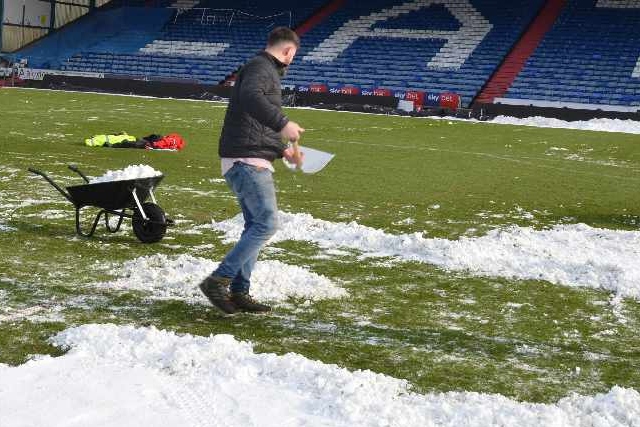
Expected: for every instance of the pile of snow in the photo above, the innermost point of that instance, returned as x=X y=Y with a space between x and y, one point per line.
x=178 y=278
x=125 y=376
x=130 y=172
x=602 y=125
x=573 y=255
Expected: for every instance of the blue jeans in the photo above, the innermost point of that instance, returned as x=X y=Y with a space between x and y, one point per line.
x=257 y=198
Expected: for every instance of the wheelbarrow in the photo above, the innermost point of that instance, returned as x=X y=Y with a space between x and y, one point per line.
x=116 y=198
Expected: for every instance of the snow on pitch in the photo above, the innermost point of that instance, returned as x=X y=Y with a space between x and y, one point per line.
x=601 y=125
x=125 y=376
x=130 y=172
x=5 y=228
x=178 y=278
x=573 y=255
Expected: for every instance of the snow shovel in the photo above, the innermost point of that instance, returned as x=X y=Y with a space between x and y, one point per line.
x=314 y=160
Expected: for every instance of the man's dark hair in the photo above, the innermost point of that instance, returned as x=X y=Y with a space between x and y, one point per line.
x=283 y=34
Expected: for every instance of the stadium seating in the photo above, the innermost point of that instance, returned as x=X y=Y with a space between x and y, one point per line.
x=111 y=30
x=591 y=56
x=196 y=43
x=433 y=46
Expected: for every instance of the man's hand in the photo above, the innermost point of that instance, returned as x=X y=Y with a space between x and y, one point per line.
x=293 y=156
x=291 y=131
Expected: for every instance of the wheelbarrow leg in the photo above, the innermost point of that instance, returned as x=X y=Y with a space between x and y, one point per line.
x=106 y=221
x=139 y=205
x=93 y=227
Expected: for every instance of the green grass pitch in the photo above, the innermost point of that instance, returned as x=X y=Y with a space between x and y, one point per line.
x=450 y=178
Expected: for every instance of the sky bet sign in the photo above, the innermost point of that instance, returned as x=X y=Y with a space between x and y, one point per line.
x=458 y=47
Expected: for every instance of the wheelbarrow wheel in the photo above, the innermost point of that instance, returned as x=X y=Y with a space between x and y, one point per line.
x=152 y=230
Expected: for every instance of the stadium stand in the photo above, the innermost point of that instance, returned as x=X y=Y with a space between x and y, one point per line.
x=193 y=43
x=591 y=56
x=514 y=62
x=432 y=46
x=581 y=52
x=118 y=30
x=436 y=46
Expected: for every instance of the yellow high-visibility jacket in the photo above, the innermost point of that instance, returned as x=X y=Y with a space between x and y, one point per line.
x=101 y=140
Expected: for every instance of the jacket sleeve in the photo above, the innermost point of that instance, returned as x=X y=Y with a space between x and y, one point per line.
x=253 y=98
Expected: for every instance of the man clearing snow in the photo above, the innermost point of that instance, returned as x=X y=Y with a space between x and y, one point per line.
x=252 y=134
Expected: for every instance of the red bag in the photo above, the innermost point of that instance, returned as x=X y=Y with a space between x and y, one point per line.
x=173 y=141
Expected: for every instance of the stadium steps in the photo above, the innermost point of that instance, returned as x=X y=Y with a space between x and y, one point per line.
x=515 y=61
x=323 y=13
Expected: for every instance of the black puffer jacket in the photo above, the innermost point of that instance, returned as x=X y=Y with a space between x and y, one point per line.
x=254 y=117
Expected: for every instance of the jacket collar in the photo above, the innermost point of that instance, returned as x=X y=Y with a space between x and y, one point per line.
x=281 y=66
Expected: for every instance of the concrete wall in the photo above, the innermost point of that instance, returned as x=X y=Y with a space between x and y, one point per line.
x=24 y=21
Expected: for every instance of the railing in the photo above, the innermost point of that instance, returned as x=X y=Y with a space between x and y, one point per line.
x=228 y=17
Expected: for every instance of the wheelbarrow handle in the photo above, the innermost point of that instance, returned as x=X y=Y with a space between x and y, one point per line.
x=76 y=170
x=50 y=181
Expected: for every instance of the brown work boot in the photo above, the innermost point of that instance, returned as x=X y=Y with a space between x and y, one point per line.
x=216 y=288
x=245 y=302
